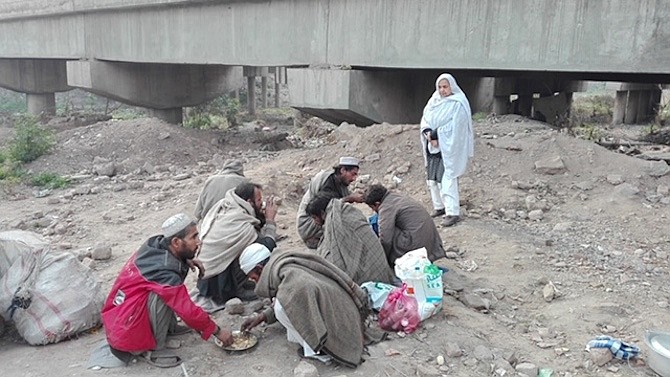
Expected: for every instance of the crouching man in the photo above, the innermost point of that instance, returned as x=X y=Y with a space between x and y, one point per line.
x=139 y=312
x=322 y=309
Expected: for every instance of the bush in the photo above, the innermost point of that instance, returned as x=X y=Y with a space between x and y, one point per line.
x=31 y=140
x=12 y=102
x=593 y=109
x=50 y=180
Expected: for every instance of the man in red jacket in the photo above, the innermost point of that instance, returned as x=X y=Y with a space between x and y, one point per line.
x=139 y=312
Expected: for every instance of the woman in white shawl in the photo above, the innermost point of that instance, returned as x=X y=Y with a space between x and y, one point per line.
x=448 y=117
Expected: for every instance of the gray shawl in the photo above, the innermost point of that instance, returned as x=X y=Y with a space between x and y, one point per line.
x=350 y=244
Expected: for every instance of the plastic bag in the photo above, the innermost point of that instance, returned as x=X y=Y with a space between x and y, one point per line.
x=423 y=279
x=50 y=296
x=377 y=293
x=399 y=312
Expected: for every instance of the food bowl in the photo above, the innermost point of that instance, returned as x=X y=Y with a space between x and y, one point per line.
x=659 y=352
x=242 y=341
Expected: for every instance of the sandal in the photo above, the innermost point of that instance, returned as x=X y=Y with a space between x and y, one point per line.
x=162 y=359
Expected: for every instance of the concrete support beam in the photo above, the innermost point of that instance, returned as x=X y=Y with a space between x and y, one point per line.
x=34 y=75
x=524 y=105
x=264 y=91
x=41 y=104
x=643 y=107
x=155 y=86
x=174 y=115
x=631 y=107
x=619 y=106
x=251 y=95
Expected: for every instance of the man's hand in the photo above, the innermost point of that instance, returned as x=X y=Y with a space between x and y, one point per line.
x=270 y=209
x=196 y=263
x=225 y=336
x=252 y=322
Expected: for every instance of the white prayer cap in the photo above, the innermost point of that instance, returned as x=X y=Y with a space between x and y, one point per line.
x=349 y=161
x=253 y=255
x=176 y=224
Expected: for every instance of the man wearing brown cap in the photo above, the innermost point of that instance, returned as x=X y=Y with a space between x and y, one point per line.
x=333 y=183
x=139 y=312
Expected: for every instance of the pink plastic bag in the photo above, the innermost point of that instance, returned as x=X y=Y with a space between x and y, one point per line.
x=399 y=312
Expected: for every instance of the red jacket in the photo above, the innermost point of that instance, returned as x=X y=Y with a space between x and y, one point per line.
x=125 y=314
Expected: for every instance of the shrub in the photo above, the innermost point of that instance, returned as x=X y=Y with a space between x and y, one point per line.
x=50 y=180
x=31 y=140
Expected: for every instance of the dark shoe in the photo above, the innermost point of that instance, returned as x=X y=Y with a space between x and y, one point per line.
x=437 y=213
x=247 y=295
x=450 y=221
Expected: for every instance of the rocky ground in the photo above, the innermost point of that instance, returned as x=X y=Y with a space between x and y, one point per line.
x=562 y=240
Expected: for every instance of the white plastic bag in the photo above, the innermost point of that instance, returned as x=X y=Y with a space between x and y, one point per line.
x=423 y=279
x=49 y=296
x=13 y=243
x=377 y=293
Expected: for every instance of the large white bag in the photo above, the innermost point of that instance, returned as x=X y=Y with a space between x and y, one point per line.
x=49 y=296
x=423 y=279
x=13 y=243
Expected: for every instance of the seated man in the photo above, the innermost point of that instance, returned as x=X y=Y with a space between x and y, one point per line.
x=216 y=186
x=321 y=308
x=348 y=241
x=139 y=312
x=403 y=224
x=334 y=183
x=233 y=224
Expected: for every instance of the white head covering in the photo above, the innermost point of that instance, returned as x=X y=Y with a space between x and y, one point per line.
x=349 y=161
x=253 y=255
x=176 y=224
x=457 y=93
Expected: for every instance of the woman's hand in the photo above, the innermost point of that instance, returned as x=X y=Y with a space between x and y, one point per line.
x=434 y=143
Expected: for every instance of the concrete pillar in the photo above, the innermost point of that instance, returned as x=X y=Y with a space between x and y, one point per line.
x=264 y=91
x=643 y=106
x=525 y=104
x=251 y=95
x=619 y=106
x=173 y=115
x=631 y=107
x=41 y=104
x=501 y=105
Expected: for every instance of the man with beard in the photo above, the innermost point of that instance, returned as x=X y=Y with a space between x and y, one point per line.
x=232 y=225
x=139 y=313
x=333 y=183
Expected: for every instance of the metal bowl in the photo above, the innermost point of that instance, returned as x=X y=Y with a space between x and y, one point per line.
x=659 y=355
x=242 y=341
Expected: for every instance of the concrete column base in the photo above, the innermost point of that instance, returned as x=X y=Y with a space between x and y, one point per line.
x=41 y=104
x=552 y=109
x=251 y=95
x=264 y=91
x=174 y=115
x=524 y=105
x=619 y=106
x=631 y=107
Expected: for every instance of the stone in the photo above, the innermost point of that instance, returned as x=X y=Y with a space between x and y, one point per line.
x=562 y=227
x=148 y=168
x=662 y=190
x=473 y=301
x=627 y=190
x=451 y=255
x=163 y=135
x=254 y=306
x=527 y=369
x=88 y=262
x=550 y=166
x=234 y=306
x=107 y=169
x=52 y=200
x=482 y=353
x=600 y=356
x=657 y=168
x=584 y=185
x=615 y=179
x=511 y=357
x=452 y=349
x=181 y=177
x=439 y=360
x=427 y=370
x=373 y=157
x=305 y=369
x=548 y=293
x=82 y=190
x=101 y=252
x=536 y=215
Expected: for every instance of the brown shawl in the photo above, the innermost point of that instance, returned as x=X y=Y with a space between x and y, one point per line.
x=350 y=244
x=324 y=305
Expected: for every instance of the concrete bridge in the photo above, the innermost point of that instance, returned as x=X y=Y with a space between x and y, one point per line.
x=361 y=61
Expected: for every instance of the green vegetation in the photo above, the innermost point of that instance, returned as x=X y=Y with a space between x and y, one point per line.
x=592 y=109
x=220 y=113
x=12 y=102
x=31 y=139
x=50 y=180
x=479 y=116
